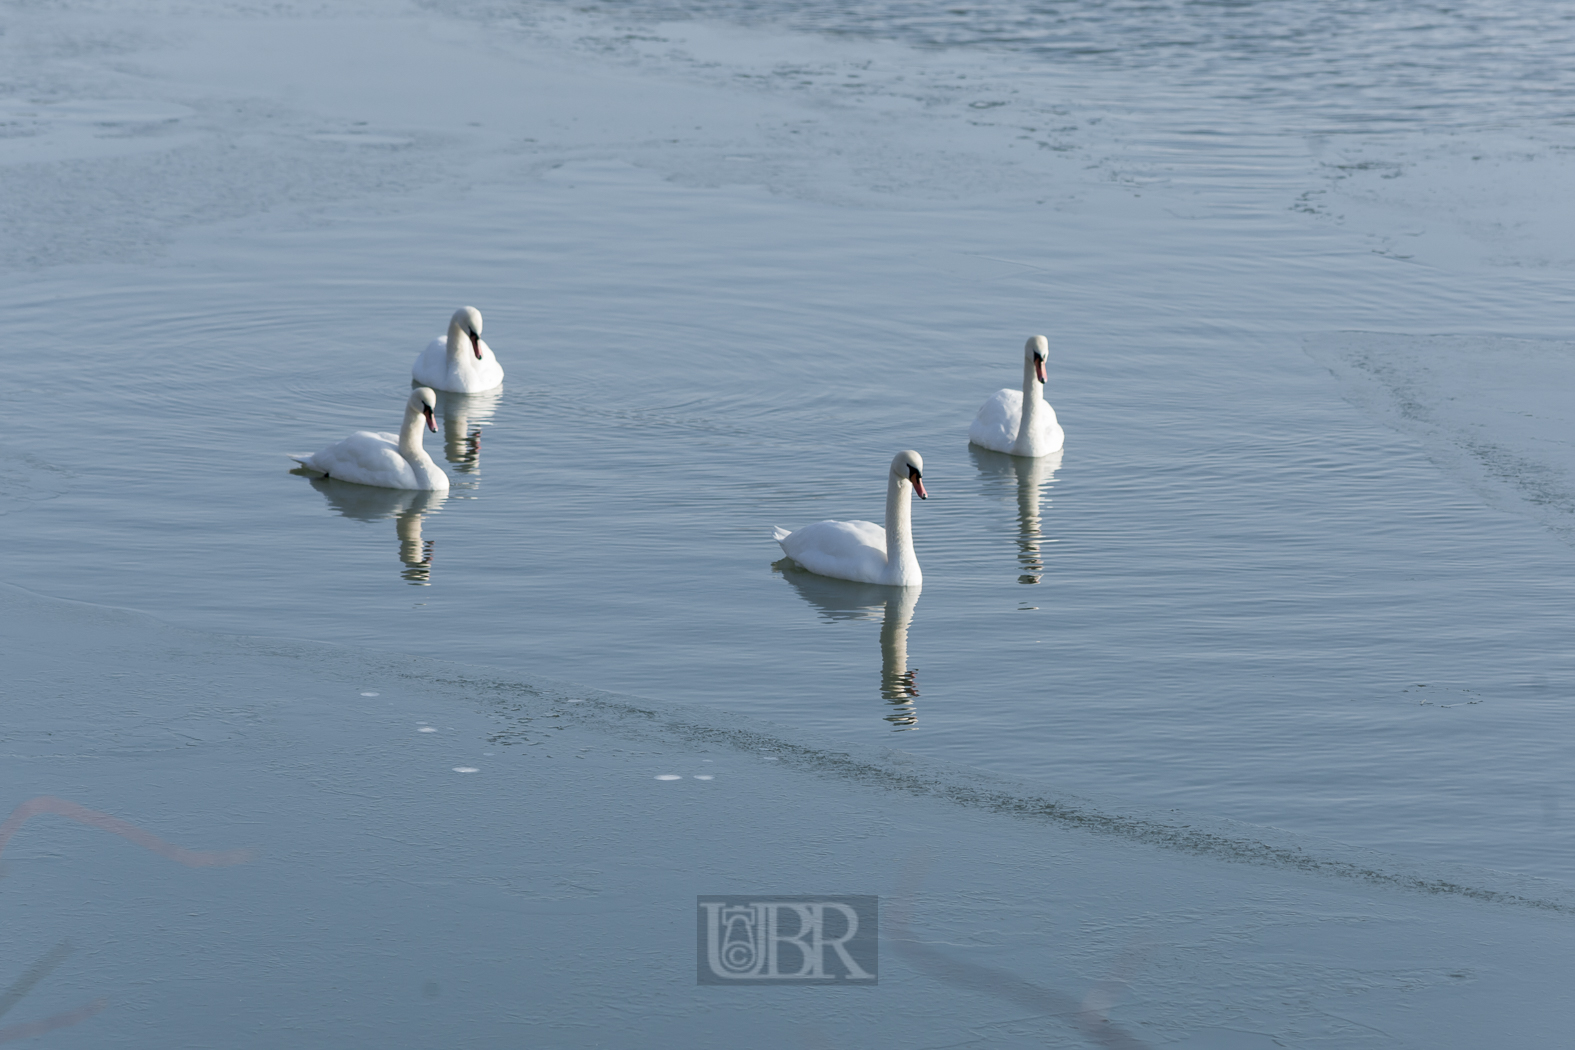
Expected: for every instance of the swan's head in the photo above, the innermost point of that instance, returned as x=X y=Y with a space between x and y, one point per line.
x=467 y=322
x=909 y=466
x=1034 y=352
x=424 y=401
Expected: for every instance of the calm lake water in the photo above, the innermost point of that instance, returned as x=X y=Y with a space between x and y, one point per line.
x=1234 y=594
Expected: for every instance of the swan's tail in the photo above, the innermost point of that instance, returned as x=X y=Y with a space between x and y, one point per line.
x=779 y=534
x=305 y=461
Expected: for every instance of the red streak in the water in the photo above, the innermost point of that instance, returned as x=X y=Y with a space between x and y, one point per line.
x=49 y=1024
x=93 y=818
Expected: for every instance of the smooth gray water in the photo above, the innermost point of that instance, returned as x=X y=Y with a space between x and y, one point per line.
x=318 y=868
x=727 y=285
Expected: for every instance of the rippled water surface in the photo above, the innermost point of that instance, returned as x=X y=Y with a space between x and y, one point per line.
x=1234 y=592
x=1333 y=64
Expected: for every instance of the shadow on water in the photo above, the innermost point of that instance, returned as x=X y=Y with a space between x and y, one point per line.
x=1031 y=475
x=406 y=506
x=846 y=600
x=1088 y=1015
x=463 y=417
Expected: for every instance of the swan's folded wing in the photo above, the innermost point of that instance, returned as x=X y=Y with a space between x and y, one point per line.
x=848 y=550
x=995 y=427
x=475 y=376
x=367 y=459
x=432 y=363
x=465 y=376
x=1046 y=422
x=1047 y=436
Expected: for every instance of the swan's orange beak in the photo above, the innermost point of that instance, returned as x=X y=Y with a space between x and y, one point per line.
x=1039 y=367
x=431 y=423
x=918 y=483
x=475 y=344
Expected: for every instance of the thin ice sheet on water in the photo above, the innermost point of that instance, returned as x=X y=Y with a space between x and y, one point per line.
x=545 y=896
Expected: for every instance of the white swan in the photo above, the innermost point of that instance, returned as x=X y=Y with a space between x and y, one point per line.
x=462 y=362
x=1002 y=425
x=383 y=460
x=862 y=550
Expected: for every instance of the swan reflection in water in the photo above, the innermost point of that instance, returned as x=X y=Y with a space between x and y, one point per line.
x=463 y=417
x=406 y=506
x=1031 y=475
x=846 y=600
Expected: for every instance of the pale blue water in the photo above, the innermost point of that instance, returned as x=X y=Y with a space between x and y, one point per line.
x=1254 y=601
x=1349 y=65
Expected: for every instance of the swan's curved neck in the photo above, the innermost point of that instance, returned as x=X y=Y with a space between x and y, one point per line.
x=410 y=432
x=902 y=565
x=1033 y=401
x=458 y=343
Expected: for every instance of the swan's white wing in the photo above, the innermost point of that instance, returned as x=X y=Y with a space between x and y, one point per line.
x=995 y=427
x=366 y=459
x=432 y=366
x=466 y=376
x=848 y=550
x=1047 y=437
x=486 y=373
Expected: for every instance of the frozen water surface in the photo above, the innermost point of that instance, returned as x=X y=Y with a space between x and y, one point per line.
x=231 y=847
x=1305 y=564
